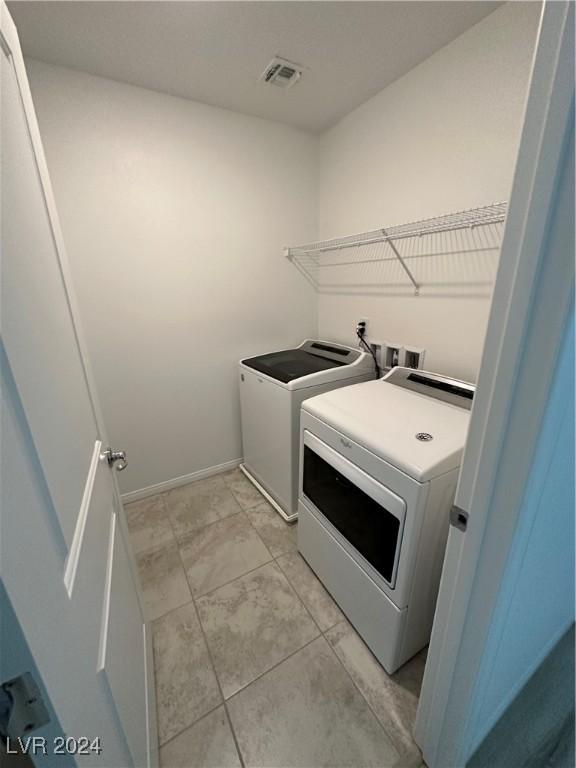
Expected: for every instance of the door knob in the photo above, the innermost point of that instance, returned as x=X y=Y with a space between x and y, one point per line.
x=115 y=459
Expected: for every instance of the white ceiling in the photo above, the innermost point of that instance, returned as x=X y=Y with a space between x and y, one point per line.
x=215 y=52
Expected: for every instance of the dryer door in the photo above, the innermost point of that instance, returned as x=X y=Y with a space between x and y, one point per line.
x=366 y=515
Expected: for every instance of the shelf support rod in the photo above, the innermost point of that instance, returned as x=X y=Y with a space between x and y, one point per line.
x=402 y=263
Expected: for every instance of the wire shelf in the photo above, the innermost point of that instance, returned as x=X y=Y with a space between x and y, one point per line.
x=454 y=251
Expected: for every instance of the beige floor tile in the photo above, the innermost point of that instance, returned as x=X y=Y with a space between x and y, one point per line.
x=245 y=492
x=186 y=687
x=251 y=624
x=291 y=701
x=207 y=744
x=149 y=524
x=163 y=580
x=393 y=698
x=278 y=535
x=221 y=552
x=193 y=506
x=306 y=712
x=324 y=610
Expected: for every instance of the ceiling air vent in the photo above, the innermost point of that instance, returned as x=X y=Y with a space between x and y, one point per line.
x=282 y=73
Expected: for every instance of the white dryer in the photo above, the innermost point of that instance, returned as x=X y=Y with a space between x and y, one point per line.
x=272 y=389
x=378 y=473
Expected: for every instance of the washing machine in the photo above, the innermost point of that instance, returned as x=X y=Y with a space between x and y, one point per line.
x=272 y=389
x=378 y=472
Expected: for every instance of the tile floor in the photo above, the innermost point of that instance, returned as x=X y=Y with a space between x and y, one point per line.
x=255 y=664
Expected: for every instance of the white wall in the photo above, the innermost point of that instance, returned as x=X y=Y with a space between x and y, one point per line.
x=174 y=216
x=442 y=138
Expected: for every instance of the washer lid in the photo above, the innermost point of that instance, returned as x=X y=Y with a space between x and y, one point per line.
x=290 y=364
x=309 y=358
x=421 y=435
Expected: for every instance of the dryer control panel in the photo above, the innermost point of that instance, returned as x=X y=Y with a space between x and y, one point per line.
x=453 y=391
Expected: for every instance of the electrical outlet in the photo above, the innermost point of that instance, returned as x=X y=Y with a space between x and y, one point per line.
x=362 y=323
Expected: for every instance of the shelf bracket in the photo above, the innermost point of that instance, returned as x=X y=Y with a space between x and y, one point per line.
x=402 y=263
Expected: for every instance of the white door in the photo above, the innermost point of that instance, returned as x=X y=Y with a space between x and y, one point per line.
x=66 y=568
x=532 y=300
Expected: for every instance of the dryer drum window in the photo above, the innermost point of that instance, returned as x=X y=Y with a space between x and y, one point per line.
x=371 y=529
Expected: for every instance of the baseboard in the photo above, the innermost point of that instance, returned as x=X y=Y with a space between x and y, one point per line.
x=152 y=490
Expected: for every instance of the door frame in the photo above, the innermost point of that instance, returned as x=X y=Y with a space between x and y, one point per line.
x=10 y=43
x=532 y=298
